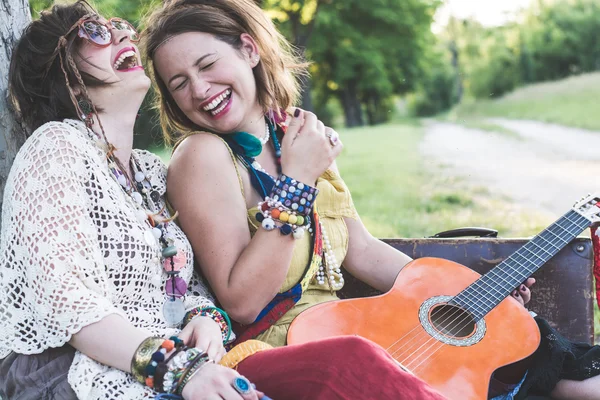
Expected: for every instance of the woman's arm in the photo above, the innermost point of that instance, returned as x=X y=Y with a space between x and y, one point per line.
x=371 y=260
x=111 y=341
x=245 y=272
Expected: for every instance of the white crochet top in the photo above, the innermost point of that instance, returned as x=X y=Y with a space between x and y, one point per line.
x=72 y=252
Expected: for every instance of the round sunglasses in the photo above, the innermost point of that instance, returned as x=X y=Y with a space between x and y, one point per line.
x=100 y=33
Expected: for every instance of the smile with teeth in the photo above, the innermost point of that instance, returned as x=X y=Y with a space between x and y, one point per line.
x=218 y=104
x=126 y=60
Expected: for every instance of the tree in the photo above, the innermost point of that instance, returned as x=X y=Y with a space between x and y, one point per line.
x=14 y=16
x=296 y=18
x=365 y=52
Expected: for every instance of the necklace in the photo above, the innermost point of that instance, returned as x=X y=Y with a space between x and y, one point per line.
x=143 y=198
x=329 y=273
x=265 y=138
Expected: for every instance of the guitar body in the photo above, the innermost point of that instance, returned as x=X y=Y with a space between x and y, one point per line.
x=406 y=322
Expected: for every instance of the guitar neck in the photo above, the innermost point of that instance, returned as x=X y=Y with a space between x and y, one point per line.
x=493 y=287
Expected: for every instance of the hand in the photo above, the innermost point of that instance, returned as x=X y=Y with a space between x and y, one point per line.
x=306 y=150
x=205 y=334
x=522 y=294
x=214 y=381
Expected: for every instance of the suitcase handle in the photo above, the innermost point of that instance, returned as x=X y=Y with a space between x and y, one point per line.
x=467 y=231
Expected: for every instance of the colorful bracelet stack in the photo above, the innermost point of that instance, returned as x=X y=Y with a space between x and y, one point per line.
x=218 y=315
x=168 y=375
x=179 y=367
x=291 y=204
x=143 y=357
x=159 y=356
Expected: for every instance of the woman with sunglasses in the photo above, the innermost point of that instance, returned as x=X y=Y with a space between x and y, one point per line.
x=98 y=297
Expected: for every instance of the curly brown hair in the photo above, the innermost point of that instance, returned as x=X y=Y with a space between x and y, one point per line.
x=276 y=74
x=39 y=86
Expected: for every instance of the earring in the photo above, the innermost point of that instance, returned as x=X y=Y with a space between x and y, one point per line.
x=256 y=58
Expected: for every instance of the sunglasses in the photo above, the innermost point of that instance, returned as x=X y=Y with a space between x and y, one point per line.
x=100 y=33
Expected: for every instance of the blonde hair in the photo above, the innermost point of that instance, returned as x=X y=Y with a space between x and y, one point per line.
x=276 y=74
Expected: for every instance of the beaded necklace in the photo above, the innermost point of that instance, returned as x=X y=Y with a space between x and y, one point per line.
x=143 y=198
x=329 y=273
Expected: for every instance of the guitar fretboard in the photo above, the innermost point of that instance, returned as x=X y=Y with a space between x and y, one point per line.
x=490 y=289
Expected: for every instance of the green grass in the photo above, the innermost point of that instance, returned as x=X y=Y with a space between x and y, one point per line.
x=571 y=102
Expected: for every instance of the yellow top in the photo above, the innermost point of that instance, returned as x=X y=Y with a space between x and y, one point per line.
x=333 y=203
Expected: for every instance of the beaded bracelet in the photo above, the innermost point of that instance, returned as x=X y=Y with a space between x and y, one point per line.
x=294 y=195
x=218 y=315
x=194 y=366
x=143 y=356
x=177 y=368
x=159 y=356
x=290 y=221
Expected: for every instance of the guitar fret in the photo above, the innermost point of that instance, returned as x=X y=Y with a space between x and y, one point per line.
x=541 y=248
x=490 y=289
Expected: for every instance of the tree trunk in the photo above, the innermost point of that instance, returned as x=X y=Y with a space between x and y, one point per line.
x=456 y=66
x=373 y=109
x=351 y=105
x=14 y=16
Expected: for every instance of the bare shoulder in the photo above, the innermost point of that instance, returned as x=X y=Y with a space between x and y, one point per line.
x=202 y=165
x=201 y=150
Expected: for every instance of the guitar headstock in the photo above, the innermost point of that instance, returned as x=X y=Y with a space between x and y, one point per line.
x=589 y=207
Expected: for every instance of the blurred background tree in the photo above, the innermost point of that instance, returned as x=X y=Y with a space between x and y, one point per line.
x=367 y=58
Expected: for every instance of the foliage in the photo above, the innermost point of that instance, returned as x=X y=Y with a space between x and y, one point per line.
x=437 y=85
x=365 y=52
x=570 y=102
x=551 y=40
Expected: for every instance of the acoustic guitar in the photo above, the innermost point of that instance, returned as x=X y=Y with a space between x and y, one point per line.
x=445 y=323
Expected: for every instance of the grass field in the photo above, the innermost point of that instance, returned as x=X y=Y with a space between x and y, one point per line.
x=571 y=102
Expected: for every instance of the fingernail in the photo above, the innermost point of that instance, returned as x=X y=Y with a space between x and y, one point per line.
x=523 y=288
x=296 y=114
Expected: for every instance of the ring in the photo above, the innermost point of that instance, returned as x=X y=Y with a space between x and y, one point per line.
x=242 y=385
x=333 y=136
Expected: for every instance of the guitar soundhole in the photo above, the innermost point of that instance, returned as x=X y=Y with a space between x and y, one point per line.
x=452 y=321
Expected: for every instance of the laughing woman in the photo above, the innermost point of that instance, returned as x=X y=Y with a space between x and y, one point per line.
x=98 y=296
x=267 y=213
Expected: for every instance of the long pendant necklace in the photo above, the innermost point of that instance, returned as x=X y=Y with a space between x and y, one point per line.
x=172 y=259
x=143 y=198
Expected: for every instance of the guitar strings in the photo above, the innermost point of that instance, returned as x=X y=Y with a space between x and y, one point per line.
x=587 y=223
x=466 y=318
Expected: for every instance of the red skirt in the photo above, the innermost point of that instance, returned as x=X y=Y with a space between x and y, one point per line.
x=343 y=368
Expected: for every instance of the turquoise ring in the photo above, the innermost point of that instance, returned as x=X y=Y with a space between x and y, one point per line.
x=242 y=385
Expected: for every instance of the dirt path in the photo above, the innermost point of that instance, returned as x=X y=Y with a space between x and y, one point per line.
x=544 y=166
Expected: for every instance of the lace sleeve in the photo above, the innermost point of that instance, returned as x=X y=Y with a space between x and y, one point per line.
x=52 y=276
